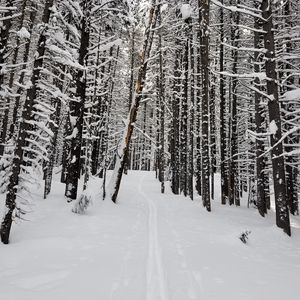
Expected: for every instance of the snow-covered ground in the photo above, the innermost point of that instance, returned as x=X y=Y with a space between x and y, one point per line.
x=148 y=247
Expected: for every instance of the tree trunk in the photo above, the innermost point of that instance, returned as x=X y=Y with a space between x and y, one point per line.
x=21 y=79
x=259 y=122
x=124 y=147
x=24 y=127
x=204 y=52
x=161 y=107
x=279 y=180
x=233 y=191
x=4 y=35
x=77 y=109
x=174 y=145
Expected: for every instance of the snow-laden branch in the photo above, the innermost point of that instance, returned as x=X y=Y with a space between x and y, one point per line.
x=245 y=48
x=260 y=75
x=284 y=136
x=244 y=10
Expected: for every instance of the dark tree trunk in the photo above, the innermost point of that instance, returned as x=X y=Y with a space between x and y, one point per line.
x=184 y=124
x=292 y=171
x=279 y=180
x=175 y=127
x=223 y=135
x=204 y=53
x=21 y=79
x=192 y=115
x=198 y=123
x=24 y=127
x=161 y=108
x=4 y=35
x=48 y=172
x=233 y=191
x=77 y=110
x=259 y=122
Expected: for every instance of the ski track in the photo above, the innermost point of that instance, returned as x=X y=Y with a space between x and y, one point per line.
x=193 y=278
x=152 y=246
x=123 y=280
x=155 y=275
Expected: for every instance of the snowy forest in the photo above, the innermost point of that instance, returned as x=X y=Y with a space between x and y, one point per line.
x=185 y=89
x=202 y=95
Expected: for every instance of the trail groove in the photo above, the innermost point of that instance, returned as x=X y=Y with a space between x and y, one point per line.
x=155 y=276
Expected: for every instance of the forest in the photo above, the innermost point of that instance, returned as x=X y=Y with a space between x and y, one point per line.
x=205 y=93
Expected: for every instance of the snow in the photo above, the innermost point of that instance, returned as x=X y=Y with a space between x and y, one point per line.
x=186 y=11
x=292 y=95
x=164 y=7
x=150 y=246
x=23 y=33
x=273 y=127
x=73 y=135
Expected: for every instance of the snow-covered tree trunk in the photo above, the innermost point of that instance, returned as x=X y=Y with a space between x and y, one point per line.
x=25 y=126
x=259 y=123
x=292 y=172
x=77 y=108
x=223 y=134
x=22 y=77
x=174 y=143
x=122 y=152
x=6 y=17
x=161 y=95
x=279 y=180
x=233 y=192
x=204 y=6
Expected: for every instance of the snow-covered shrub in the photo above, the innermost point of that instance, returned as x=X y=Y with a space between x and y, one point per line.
x=82 y=203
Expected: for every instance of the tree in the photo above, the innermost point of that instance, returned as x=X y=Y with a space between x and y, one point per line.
x=12 y=210
x=77 y=106
x=278 y=165
x=204 y=6
x=124 y=147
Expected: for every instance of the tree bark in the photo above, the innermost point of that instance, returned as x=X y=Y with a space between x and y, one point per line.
x=4 y=35
x=233 y=191
x=204 y=6
x=77 y=109
x=223 y=135
x=259 y=122
x=278 y=165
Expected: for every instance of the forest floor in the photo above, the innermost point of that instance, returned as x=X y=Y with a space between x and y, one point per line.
x=147 y=247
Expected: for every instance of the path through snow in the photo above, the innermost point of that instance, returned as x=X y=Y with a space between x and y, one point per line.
x=148 y=247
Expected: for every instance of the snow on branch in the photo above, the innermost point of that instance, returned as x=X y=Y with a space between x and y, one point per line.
x=245 y=48
x=244 y=10
x=284 y=136
x=292 y=95
x=260 y=75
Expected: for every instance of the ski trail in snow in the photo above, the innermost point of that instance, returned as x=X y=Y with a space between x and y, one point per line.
x=122 y=280
x=194 y=278
x=155 y=277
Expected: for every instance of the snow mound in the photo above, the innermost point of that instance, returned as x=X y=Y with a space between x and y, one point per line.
x=82 y=203
x=292 y=95
x=186 y=11
x=23 y=33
